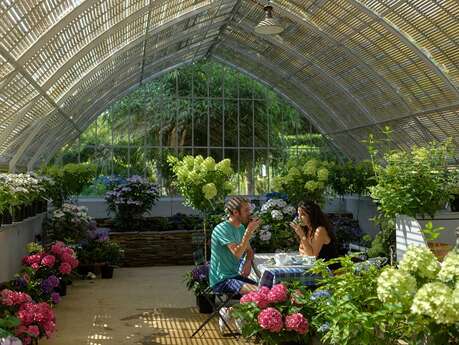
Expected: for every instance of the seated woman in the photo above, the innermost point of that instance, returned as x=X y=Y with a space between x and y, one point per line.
x=314 y=231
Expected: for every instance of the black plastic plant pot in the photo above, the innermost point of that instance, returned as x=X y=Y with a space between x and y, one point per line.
x=204 y=306
x=106 y=271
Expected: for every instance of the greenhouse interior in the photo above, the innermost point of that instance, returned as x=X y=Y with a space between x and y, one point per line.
x=229 y=172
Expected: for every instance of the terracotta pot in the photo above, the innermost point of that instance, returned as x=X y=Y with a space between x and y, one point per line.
x=439 y=249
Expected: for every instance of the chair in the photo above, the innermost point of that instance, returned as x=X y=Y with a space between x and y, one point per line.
x=219 y=300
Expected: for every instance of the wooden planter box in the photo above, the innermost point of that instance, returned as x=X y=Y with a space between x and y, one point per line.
x=165 y=248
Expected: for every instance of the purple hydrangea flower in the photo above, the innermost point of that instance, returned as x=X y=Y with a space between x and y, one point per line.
x=46 y=286
x=200 y=273
x=55 y=297
x=53 y=281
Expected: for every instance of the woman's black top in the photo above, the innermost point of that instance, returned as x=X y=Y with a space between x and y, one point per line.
x=328 y=251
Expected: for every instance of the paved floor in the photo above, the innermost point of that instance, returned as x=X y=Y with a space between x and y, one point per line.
x=139 y=306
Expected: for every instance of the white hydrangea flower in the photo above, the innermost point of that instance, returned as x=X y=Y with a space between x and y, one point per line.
x=265 y=235
x=449 y=271
x=420 y=261
x=265 y=208
x=436 y=301
x=290 y=210
x=396 y=286
x=266 y=227
x=280 y=203
x=277 y=215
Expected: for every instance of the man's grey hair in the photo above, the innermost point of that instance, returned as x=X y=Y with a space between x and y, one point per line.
x=235 y=203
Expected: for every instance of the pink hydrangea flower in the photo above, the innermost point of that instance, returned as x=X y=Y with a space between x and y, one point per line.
x=270 y=319
x=249 y=297
x=65 y=268
x=68 y=251
x=49 y=261
x=56 y=248
x=296 y=322
x=34 y=330
x=32 y=259
x=278 y=294
x=10 y=298
x=35 y=266
x=261 y=299
x=264 y=290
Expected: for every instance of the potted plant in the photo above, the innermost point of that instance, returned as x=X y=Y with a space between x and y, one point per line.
x=203 y=184
x=70 y=223
x=412 y=184
x=198 y=281
x=110 y=255
x=131 y=200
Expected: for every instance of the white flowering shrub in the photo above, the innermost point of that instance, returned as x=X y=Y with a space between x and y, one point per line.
x=435 y=300
x=275 y=232
x=70 y=223
x=307 y=182
x=202 y=182
x=425 y=294
x=421 y=262
x=396 y=286
x=449 y=272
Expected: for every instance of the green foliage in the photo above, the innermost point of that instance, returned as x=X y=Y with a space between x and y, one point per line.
x=100 y=251
x=7 y=325
x=69 y=180
x=384 y=242
x=110 y=253
x=431 y=233
x=415 y=182
x=353 y=314
x=351 y=177
x=308 y=182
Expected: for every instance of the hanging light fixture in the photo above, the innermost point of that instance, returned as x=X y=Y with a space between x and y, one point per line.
x=269 y=25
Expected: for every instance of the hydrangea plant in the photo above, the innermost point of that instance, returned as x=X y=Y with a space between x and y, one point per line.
x=131 y=199
x=202 y=182
x=274 y=316
x=275 y=232
x=306 y=182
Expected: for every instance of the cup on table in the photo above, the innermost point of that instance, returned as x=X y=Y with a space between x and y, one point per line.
x=281 y=259
x=309 y=260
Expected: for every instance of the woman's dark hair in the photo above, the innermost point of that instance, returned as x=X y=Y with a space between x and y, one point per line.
x=317 y=218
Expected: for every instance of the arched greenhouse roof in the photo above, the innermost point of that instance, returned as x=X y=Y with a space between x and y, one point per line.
x=350 y=66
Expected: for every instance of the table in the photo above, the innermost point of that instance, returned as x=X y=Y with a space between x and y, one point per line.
x=269 y=275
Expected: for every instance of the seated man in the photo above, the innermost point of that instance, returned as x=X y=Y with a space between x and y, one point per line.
x=230 y=241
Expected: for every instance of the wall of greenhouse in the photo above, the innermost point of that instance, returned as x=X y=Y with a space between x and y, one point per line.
x=203 y=109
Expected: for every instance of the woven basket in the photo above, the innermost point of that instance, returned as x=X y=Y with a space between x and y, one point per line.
x=439 y=249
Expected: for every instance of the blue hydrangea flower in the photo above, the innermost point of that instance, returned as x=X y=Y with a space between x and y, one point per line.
x=320 y=294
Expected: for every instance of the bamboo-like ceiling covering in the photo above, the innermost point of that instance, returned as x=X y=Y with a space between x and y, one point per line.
x=351 y=66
